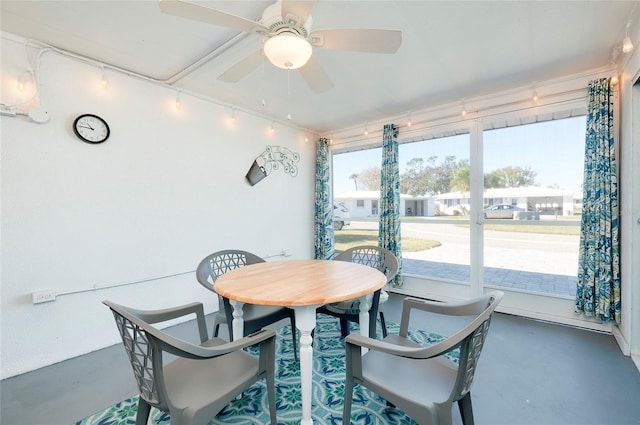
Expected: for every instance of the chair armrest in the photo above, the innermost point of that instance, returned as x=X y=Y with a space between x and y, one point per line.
x=488 y=303
x=185 y=349
x=462 y=308
x=443 y=347
x=162 y=315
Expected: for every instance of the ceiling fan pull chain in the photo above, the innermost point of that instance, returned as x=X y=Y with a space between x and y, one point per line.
x=262 y=80
x=289 y=93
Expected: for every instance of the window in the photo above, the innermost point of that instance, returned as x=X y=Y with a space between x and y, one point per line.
x=531 y=203
x=434 y=183
x=534 y=174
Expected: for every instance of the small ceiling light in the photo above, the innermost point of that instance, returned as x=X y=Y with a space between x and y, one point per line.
x=272 y=129
x=287 y=51
x=463 y=111
x=23 y=81
x=178 y=101
x=627 y=45
x=535 y=95
x=366 y=130
x=306 y=139
x=233 y=115
x=104 y=81
x=409 y=123
x=614 y=79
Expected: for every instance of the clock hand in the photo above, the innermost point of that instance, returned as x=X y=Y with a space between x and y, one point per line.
x=86 y=126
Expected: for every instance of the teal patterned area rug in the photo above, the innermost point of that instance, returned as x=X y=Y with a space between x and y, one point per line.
x=328 y=388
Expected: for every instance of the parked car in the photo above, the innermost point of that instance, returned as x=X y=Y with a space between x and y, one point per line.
x=341 y=216
x=501 y=211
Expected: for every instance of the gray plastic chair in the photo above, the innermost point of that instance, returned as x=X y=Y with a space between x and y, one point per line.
x=203 y=378
x=416 y=379
x=372 y=256
x=255 y=316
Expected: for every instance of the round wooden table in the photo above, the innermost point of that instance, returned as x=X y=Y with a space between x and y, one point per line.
x=303 y=285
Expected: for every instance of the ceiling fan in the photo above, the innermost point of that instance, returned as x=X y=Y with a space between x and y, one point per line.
x=286 y=26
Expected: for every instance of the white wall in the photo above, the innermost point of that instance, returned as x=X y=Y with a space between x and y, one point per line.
x=165 y=190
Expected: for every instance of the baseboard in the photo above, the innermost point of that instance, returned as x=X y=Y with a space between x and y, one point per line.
x=636 y=360
x=624 y=345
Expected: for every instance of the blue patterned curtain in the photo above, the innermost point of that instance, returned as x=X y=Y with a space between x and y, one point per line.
x=598 y=291
x=323 y=226
x=389 y=227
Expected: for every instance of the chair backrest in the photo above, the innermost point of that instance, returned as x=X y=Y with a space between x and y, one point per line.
x=215 y=265
x=373 y=256
x=471 y=345
x=144 y=355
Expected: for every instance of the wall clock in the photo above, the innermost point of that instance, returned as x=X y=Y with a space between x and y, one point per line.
x=91 y=128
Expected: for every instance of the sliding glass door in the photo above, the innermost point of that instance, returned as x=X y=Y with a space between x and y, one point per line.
x=532 y=201
x=532 y=198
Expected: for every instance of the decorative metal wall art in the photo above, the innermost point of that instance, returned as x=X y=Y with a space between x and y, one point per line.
x=271 y=159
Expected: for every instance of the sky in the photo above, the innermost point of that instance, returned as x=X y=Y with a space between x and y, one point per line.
x=553 y=149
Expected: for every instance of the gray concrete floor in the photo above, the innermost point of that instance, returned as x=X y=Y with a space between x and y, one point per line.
x=530 y=372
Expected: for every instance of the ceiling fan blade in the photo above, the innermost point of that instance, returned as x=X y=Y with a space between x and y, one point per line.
x=358 y=40
x=243 y=68
x=210 y=16
x=297 y=8
x=314 y=75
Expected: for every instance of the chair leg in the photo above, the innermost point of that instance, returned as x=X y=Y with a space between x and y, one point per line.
x=373 y=327
x=143 y=412
x=230 y=327
x=466 y=411
x=270 y=380
x=348 y=396
x=383 y=324
x=216 y=329
x=294 y=336
x=344 y=327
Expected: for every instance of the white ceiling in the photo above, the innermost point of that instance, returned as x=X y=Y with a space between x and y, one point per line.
x=451 y=50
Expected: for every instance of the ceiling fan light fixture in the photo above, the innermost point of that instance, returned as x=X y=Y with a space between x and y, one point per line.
x=287 y=51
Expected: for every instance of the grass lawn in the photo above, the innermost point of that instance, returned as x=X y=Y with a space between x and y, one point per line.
x=349 y=238
x=571 y=225
x=549 y=230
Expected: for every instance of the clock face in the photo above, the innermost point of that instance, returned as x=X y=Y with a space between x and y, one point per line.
x=91 y=128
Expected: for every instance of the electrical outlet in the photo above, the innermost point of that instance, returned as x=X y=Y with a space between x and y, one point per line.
x=43 y=296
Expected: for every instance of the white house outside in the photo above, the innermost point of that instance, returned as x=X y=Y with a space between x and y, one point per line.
x=543 y=200
x=366 y=203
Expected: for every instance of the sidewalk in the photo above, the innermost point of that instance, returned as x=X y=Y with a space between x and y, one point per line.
x=507 y=278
